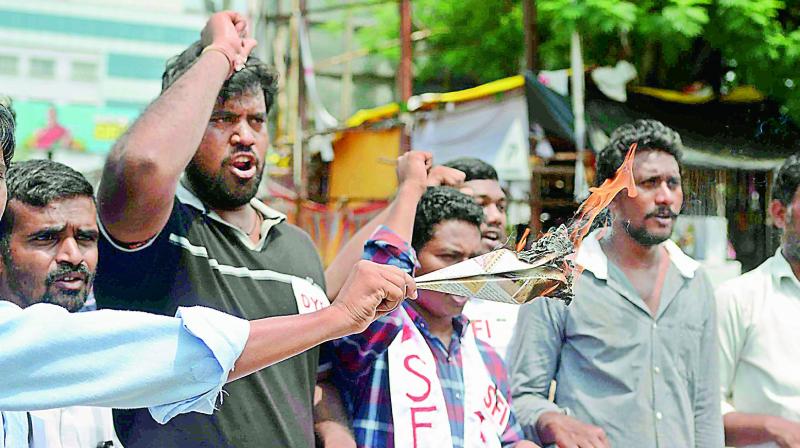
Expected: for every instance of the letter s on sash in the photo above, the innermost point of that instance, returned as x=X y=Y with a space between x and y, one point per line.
x=491 y=394
x=407 y=365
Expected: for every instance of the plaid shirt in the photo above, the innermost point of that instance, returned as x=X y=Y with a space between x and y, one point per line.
x=361 y=370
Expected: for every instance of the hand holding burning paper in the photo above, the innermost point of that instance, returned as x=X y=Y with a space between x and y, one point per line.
x=545 y=270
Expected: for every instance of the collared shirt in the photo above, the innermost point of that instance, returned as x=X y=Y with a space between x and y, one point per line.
x=198 y=258
x=758 y=330
x=646 y=381
x=361 y=371
x=73 y=426
x=51 y=358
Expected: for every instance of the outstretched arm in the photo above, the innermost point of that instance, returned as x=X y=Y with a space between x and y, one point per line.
x=140 y=177
x=372 y=290
x=128 y=359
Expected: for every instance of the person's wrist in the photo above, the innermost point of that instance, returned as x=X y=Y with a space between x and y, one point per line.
x=772 y=425
x=335 y=434
x=545 y=424
x=229 y=55
x=412 y=188
x=338 y=321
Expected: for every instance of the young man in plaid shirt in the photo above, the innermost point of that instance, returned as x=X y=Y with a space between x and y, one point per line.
x=418 y=376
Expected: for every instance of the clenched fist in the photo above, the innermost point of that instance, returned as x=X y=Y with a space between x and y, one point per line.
x=228 y=32
x=370 y=291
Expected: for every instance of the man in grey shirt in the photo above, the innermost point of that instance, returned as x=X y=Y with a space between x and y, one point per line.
x=635 y=355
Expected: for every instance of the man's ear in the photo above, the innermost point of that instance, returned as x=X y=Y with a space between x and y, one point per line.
x=613 y=206
x=779 y=213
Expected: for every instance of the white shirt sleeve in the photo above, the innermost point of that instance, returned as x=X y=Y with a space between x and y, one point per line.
x=51 y=358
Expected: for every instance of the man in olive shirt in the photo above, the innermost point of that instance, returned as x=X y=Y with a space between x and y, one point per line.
x=180 y=221
x=634 y=356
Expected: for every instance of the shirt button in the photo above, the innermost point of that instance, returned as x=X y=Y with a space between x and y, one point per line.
x=655 y=325
x=658 y=416
x=657 y=369
x=458 y=395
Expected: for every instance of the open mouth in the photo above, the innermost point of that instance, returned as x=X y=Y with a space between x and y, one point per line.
x=243 y=165
x=492 y=235
x=664 y=218
x=72 y=280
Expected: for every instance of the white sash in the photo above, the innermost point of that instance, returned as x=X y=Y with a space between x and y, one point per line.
x=418 y=407
x=309 y=296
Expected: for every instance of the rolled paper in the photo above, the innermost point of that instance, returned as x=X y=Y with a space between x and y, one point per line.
x=508 y=276
x=514 y=287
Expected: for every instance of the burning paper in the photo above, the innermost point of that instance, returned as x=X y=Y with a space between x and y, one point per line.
x=507 y=276
x=546 y=269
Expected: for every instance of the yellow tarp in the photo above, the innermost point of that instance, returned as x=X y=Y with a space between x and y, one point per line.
x=483 y=90
x=377 y=113
x=364 y=164
x=740 y=94
x=674 y=96
x=743 y=94
x=428 y=99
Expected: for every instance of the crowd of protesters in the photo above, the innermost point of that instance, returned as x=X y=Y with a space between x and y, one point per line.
x=201 y=286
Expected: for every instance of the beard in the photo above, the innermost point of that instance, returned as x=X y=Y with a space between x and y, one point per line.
x=790 y=244
x=71 y=300
x=214 y=190
x=644 y=237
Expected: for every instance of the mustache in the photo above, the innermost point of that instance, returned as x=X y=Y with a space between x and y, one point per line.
x=64 y=269
x=662 y=211
x=241 y=148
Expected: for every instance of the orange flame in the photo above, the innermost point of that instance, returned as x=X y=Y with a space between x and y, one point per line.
x=523 y=240
x=601 y=196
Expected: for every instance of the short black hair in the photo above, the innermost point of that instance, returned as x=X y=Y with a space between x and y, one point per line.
x=787 y=180
x=38 y=183
x=255 y=74
x=647 y=134
x=440 y=204
x=7 y=126
x=475 y=169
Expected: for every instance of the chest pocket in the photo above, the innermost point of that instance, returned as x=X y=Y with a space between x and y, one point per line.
x=681 y=341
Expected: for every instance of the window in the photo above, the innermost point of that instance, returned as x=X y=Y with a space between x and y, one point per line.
x=43 y=68
x=84 y=71
x=9 y=65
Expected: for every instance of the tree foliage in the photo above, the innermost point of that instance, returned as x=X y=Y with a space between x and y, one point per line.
x=673 y=43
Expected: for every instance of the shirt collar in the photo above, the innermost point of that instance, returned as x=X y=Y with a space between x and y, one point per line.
x=781 y=267
x=591 y=257
x=271 y=216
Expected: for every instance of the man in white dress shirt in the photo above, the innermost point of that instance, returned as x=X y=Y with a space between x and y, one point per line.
x=758 y=316
x=48 y=254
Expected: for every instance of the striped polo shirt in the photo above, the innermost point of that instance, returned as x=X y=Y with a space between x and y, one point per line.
x=199 y=259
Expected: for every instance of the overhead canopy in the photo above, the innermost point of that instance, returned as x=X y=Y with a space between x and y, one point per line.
x=715 y=134
x=546 y=107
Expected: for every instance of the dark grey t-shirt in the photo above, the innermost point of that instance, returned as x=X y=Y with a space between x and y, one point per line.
x=198 y=259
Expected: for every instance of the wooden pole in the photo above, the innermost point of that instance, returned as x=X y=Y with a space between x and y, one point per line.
x=531 y=36
x=531 y=62
x=346 y=101
x=404 y=75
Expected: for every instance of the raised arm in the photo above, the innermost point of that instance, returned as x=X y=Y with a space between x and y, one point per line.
x=140 y=177
x=413 y=177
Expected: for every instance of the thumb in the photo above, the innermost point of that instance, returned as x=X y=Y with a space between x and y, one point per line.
x=248 y=45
